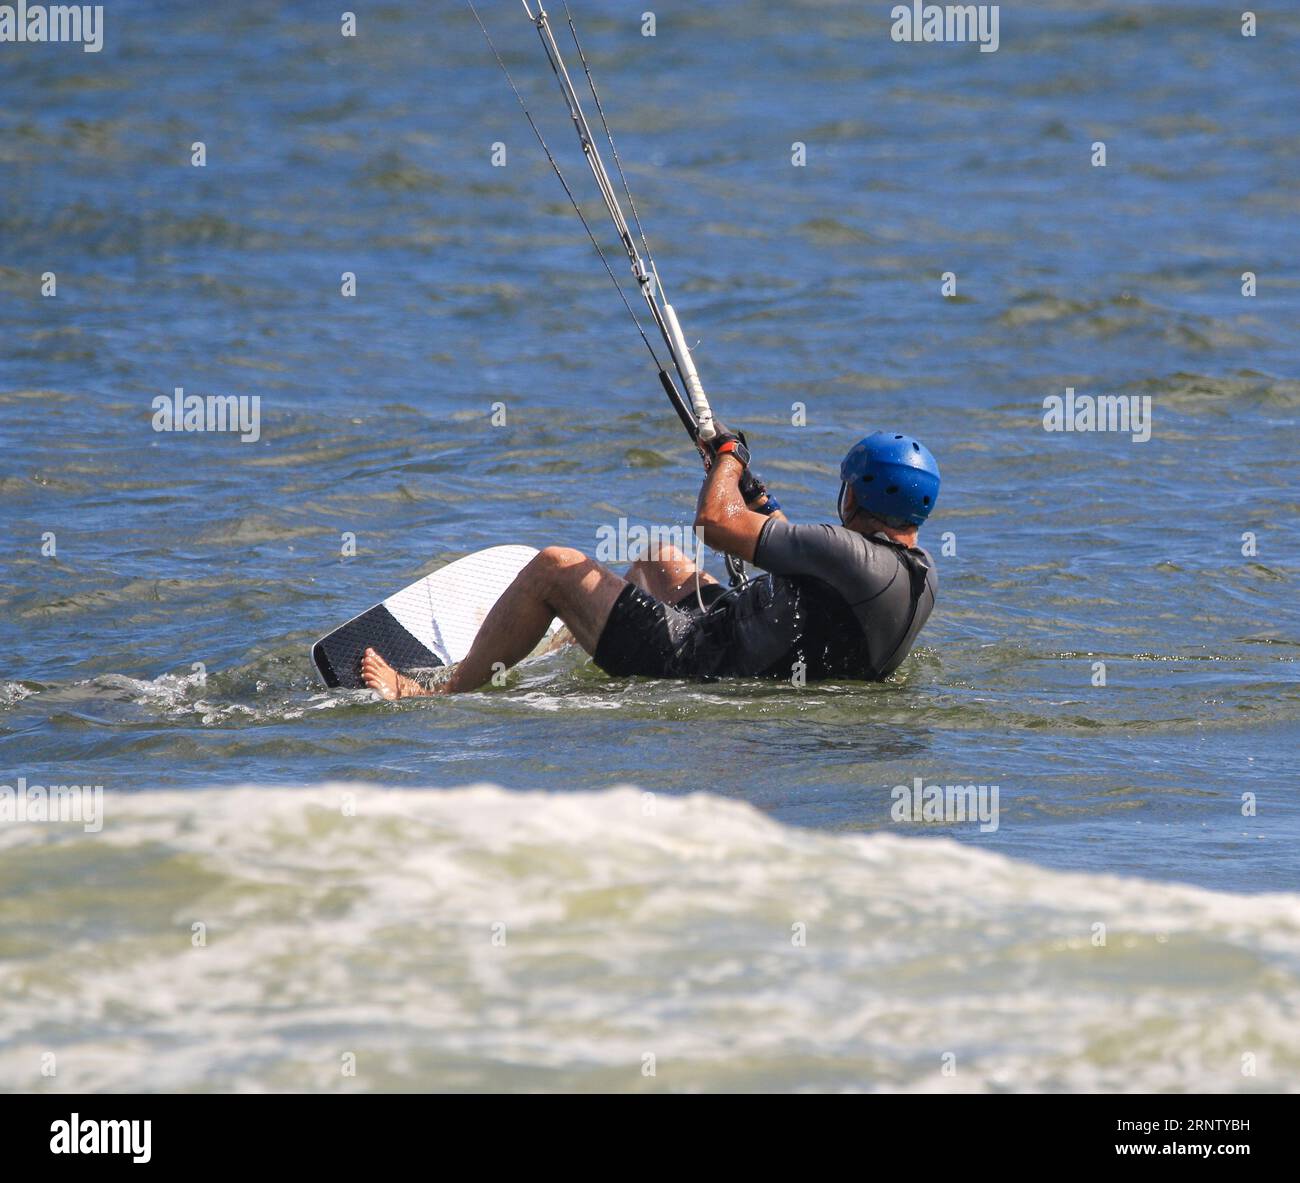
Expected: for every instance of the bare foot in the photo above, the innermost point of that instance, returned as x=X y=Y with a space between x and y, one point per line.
x=386 y=681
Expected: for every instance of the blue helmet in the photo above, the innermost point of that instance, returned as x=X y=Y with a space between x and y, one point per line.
x=893 y=477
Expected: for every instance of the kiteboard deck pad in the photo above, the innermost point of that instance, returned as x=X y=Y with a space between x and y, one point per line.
x=431 y=623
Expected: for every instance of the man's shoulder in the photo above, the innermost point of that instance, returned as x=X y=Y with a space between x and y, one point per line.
x=858 y=565
x=885 y=558
x=884 y=542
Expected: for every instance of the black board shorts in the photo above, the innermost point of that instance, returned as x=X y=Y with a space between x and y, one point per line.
x=646 y=637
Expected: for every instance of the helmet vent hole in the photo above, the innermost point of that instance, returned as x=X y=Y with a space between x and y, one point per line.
x=891 y=490
x=898 y=437
x=915 y=446
x=869 y=478
x=925 y=501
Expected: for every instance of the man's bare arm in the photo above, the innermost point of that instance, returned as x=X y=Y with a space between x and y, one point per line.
x=725 y=521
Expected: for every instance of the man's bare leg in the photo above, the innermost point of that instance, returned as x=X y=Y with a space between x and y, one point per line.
x=557 y=582
x=668 y=577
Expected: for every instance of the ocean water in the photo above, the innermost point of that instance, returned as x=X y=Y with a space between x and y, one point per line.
x=162 y=650
x=358 y=939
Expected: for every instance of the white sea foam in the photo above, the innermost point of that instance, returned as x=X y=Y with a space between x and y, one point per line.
x=633 y=927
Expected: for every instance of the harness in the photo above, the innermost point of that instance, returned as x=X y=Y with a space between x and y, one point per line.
x=918 y=571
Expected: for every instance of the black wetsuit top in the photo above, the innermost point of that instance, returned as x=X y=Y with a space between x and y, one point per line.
x=834 y=603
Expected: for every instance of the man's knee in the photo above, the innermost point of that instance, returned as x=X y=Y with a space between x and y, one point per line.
x=560 y=556
x=665 y=554
x=555 y=562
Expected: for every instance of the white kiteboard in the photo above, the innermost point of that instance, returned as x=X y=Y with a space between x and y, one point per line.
x=432 y=623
